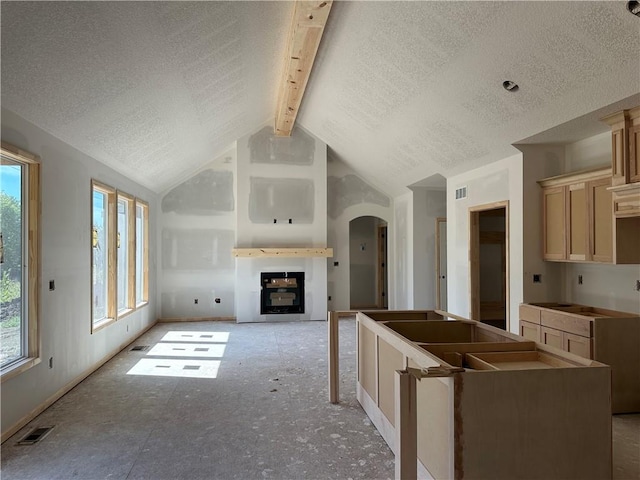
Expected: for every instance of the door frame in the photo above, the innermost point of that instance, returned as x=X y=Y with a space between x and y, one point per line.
x=474 y=258
x=440 y=221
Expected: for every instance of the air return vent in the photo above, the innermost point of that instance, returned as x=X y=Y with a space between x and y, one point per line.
x=140 y=348
x=461 y=193
x=35 y=435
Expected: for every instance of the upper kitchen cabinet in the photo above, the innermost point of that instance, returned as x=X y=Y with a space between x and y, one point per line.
x=625 y=146
x=578 y=221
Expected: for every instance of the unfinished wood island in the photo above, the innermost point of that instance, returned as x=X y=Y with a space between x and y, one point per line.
x=493 y=404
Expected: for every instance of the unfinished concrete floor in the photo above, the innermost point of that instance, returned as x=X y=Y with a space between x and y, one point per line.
x=262 y=413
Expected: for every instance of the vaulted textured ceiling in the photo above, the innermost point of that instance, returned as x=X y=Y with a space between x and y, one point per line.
x=400 y=91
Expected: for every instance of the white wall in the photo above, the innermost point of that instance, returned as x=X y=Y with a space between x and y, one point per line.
x=496 y=182
x=402 y=296
x=197 y=228
x=350 y=197
x=65 y=322
x=281 y=178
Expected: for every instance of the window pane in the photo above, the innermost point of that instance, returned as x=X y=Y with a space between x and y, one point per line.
x=100 y=255
x=123 y=253
x=139 y=253
x=12 y=221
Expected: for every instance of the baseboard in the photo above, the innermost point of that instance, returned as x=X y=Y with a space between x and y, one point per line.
x=6 y=435
x=196 y=319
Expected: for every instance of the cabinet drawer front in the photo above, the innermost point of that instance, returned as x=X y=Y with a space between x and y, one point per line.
x=626 y=204
x=552 y=337
x=530 y=331
x=530 y=314
x=578 y=345
x=567 y=323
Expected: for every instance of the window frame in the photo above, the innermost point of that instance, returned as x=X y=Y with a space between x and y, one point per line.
x=130 y=243
x=112 y=225
x=145 y=254
x=33 y=250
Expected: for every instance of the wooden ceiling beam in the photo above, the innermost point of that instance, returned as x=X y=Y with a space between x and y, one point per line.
x=307 y=26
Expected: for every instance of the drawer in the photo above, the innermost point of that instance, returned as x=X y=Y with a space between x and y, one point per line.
x=626 y=203
x=575 y=324
x=581 y=346
x=530 y=314
x=552 y=337
x=530 y=331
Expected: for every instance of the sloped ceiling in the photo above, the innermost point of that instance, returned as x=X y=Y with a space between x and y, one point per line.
x=400 y=91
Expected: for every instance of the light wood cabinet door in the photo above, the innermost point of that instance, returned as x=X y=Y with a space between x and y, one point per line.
x=600 y=221
x=554 y=246
x=552 y=337
x=577 y=222
x=530 y=331
x=619 y=152
x=634 y=152
x=577 y=345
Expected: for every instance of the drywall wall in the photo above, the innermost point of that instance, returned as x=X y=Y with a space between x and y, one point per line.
x=403 y=252
x=281 y=185
x=350 y=197
x=605 y=286
x=197 y=232
x=65 y=322
x=539 y=161
x=363 y=256
x=499 y=181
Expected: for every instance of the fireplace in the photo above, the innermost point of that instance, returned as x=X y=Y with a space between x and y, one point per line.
x=281 y=292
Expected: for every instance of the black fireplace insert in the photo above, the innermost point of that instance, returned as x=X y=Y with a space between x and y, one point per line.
x=281 y=292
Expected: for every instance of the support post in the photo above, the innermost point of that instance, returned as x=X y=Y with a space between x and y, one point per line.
x=406 y=430
x=334 y=362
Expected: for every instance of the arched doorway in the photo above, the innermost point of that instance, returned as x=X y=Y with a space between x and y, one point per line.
x=368 y=263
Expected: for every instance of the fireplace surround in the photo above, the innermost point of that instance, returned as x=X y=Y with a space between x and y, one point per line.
x=281 y=292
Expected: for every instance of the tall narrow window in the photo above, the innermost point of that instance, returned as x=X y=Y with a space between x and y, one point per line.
x=142 y=255
x=103 y=255
x=19 y=259
x=125 y=244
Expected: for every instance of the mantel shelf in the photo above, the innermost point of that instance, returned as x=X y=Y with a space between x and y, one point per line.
x=282 y=252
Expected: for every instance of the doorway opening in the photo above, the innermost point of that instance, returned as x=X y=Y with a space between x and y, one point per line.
x=368 y=263
x=489 y=263
x=441 y=263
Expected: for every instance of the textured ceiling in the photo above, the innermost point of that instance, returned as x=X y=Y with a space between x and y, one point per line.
x=401 y=91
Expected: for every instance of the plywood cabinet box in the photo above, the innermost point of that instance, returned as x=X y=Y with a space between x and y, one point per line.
x=579 y=223
x=512 y=409
x=608 y=336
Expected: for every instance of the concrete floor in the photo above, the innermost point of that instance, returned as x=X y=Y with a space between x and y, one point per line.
x=264 y=415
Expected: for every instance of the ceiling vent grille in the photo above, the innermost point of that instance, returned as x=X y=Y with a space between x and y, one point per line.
x=461 y=193
x=35 y=435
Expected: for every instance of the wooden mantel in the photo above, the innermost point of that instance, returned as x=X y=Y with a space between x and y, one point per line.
x=282 y=252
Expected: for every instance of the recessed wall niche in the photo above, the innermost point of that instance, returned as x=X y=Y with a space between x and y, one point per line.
x=281 y=199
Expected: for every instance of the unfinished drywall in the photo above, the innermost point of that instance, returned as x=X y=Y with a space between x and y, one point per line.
x=496 y=182
x=65 y=321
x=367 y=201
x=266 y=147
x=403 y=251
x=197 y=234
x=282 y=179
x=363 y=258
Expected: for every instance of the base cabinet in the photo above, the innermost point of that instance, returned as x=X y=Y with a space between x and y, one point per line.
x=607 y=336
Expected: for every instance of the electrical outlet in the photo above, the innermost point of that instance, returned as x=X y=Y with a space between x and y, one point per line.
x=637 y=285
x=217 y=300
x=52 y=285
x=579 y=279
x=195 y=301
x=537 y=278
x=50 y=362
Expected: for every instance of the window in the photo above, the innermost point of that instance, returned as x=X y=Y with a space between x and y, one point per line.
x=119 y=244
x=19 y=260
x=103 y=255
x=142 y=253
x=125 y=243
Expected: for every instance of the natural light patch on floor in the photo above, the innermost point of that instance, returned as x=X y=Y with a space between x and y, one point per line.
x=163 y=367
x=191 y=348
x=203 y=337
x=198 y=350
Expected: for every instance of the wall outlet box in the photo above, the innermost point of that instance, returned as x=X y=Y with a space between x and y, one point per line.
x=537 y=278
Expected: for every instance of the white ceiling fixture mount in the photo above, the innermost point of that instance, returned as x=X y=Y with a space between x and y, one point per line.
x=307 y=27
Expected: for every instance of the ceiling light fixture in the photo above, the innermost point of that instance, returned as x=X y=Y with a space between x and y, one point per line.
x=510 y=86
x=634 y=7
